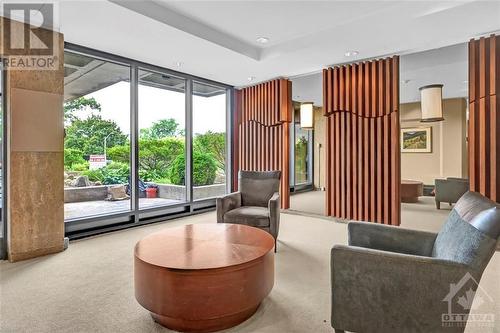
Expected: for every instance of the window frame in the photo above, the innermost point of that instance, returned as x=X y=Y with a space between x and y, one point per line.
x=86 y=226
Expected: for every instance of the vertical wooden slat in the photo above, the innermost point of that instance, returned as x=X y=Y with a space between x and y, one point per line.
x=373 y=169
x=348 y=166
x=366 y=168
x=362 y=141
x=380 y=173
x=262 y=138
x=484 y=124
x=338 y=158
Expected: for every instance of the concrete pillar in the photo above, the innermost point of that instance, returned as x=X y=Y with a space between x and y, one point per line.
x=35 y=155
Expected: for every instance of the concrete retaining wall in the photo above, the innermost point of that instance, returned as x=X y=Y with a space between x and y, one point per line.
x=172 y=192
x=88 y=193
x=178 y=192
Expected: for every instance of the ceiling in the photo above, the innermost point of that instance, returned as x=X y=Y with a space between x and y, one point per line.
x=447 y=65
x=217 y=39
x=84 y=75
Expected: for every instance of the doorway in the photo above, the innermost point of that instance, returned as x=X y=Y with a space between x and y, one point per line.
x=307 y=179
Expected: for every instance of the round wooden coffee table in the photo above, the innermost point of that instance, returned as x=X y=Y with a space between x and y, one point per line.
x=203 y=277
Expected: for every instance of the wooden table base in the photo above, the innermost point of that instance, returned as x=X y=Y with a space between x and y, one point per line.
x=207 y=325
x=204 y=277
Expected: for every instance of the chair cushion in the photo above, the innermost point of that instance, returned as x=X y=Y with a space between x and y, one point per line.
x=257 y=187
x=460 y=241
x=248 y=215
x=488 y=222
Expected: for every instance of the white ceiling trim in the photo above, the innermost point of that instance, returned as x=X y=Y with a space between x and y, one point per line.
x=181 y=22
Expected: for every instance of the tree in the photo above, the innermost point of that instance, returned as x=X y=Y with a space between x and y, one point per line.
x=214 y=144
x=204 y=169
x=156 y=156
x=88 y=135
x=72 y=156
x=161 y=129
x=79 y=104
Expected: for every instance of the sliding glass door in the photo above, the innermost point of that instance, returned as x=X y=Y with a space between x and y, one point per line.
x=209 y=141
x=162 y=136
x=141 y=142
x=97 y=136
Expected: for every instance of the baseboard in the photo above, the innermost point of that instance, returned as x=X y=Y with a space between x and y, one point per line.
x=13 y=257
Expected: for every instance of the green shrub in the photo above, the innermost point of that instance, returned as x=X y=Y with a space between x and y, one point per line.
x=149 y=175
x=204 y=169
x=80 y=166
x=72 y=156
x=94 y=175
x=119 y=153
x=115 y=173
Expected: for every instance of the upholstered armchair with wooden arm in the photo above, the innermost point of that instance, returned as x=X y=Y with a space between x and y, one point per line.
x=390 y=279
x=256 y=204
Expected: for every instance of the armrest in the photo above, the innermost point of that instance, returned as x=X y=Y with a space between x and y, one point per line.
x=391 y=290
x=390 y=238
x=274 y=207
x=226 y=203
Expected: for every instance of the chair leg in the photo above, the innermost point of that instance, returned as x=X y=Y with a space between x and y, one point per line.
x=275 y=245
x=438 y=205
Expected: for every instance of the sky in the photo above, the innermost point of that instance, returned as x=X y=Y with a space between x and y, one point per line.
x=209 y=113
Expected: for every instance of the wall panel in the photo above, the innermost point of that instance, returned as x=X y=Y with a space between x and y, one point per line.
x=261 y=137
x=361 y=103
x=484 y=122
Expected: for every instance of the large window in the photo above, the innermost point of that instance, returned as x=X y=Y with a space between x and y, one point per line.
x=162 y=130
x=141 y=142
x=97 y=140
x=209 y=141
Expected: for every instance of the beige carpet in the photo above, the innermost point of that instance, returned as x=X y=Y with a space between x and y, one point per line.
x=89 y=287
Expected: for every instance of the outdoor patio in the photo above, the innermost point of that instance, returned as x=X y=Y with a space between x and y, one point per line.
x=101 y=207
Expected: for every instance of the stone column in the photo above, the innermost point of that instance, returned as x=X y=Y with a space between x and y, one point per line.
x=35 y=184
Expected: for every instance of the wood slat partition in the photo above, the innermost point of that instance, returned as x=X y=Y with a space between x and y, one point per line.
x=361 y=103
x=261 y=137
x=484 y=119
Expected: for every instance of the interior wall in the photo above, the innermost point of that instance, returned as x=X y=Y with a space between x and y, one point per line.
x=35 y=156
x=449 y=147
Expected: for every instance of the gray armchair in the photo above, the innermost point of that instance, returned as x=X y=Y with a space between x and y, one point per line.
x=450 y=190
x=391 y=279
x=256 y=204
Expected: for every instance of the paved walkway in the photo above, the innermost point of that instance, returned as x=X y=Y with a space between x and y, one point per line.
x=101 y=207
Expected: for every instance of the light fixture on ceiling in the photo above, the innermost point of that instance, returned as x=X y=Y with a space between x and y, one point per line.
x=179 y=64
x=431 y=103
x=251 y=78
x=306 y=115
x=351 y=53
x=262 y=40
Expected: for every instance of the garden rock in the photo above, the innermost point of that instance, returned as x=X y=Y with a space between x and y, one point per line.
x=81 y=181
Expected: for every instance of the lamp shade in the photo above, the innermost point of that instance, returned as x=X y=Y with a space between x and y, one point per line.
x=431 y=102
x=306 y=115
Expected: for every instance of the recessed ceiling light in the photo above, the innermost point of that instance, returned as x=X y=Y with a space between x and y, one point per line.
x=251 y=78
x=262 y=39
x=351 y=53
x=178 y=64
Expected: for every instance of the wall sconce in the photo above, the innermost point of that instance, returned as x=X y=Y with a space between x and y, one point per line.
x=431 y=101
x=306 y=115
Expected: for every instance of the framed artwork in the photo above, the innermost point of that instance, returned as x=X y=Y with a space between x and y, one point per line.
x=416 y=140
